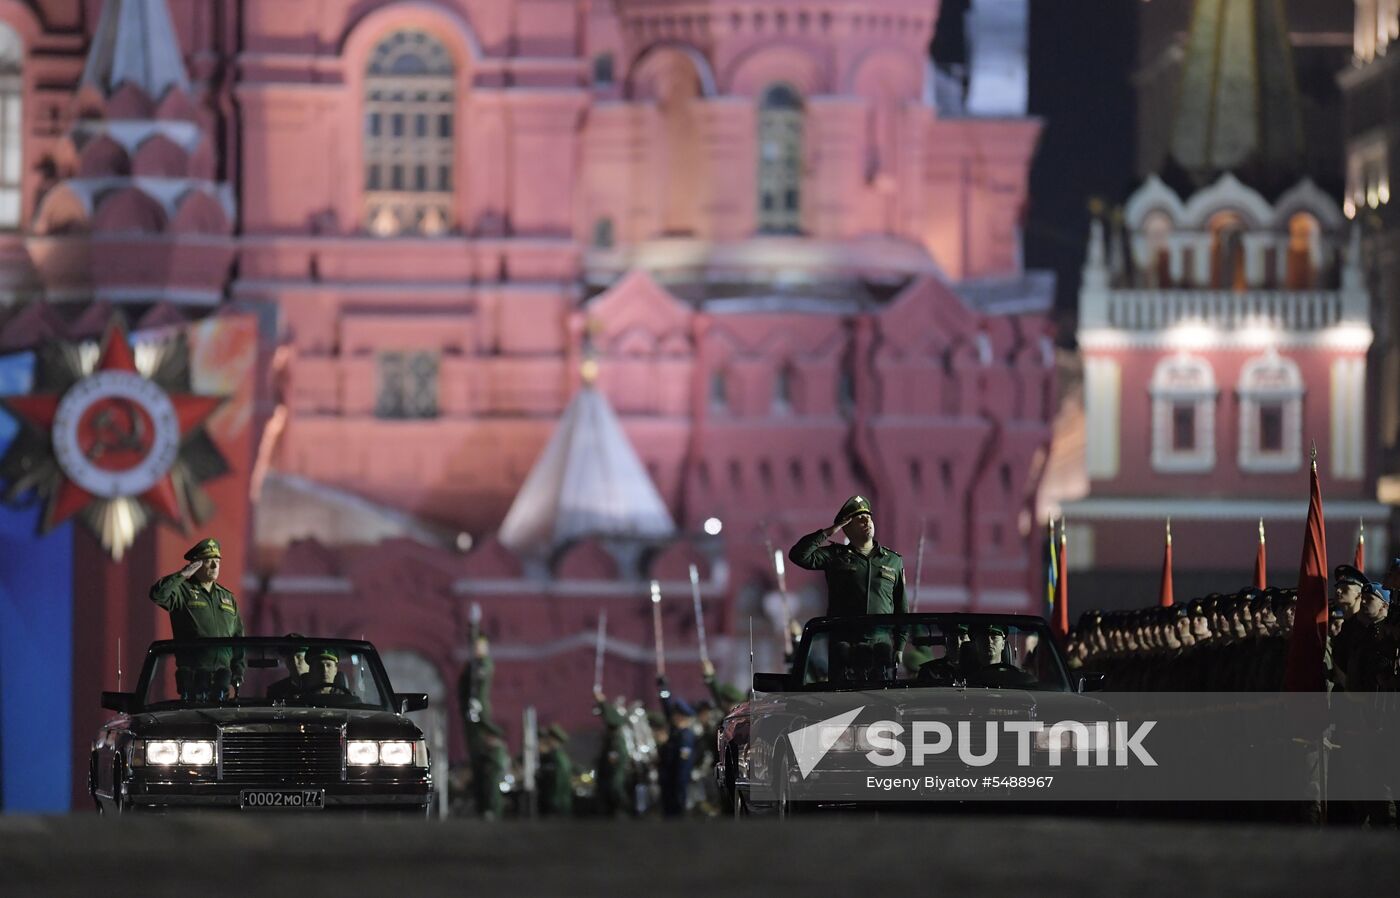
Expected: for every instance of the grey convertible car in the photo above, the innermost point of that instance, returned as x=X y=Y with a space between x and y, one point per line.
x=261 y=724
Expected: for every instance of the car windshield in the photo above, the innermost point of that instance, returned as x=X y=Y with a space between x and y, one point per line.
x=975 y=651
x=313 y=673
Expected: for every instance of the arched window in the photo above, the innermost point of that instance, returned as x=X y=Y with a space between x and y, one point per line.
x=1271 y=414
x=780 y=161
x=719 y=391
x=1183 y=415
x=1227 y=270
x=782 y=389
x=1304 y=252
x=409 y=136
x=603 y=69
x=11 y=126
x=1157 y=264
x=603 y=233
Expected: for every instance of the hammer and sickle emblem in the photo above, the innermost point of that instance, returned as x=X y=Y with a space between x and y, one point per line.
x=117 y=431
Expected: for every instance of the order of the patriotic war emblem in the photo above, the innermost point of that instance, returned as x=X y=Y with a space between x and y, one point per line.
x=110 y=445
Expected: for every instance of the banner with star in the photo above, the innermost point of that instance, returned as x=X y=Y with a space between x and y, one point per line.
x=115 y=438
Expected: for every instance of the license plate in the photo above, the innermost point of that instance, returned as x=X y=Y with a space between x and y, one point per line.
x=282 y=799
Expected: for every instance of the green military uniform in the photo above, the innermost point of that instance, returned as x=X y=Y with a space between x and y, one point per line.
x=554 y=783
x=202 y=612
x=489 y=760
x=855 y=584
x=614 y=763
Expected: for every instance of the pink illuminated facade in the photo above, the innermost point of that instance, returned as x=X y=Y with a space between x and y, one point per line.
x=796 y=277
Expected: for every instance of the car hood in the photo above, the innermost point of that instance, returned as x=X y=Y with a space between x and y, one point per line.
x=206 y=722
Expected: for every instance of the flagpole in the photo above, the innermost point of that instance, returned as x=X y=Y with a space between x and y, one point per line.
x=1307 y=643
x=1062 y=585
x=1261 y=565
x=1165 y=597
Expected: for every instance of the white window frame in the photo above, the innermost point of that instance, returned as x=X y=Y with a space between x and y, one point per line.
x=1182 y=379
x=1270 y=379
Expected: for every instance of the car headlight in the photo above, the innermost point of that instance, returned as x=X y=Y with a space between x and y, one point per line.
x=162 y=752
x=396 y=754
x=197 y=753
x=361 y=752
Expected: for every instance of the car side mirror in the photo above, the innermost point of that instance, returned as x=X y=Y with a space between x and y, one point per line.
x=121 y=702
x=1091 y=682
x=410 y=701
x=770 y=682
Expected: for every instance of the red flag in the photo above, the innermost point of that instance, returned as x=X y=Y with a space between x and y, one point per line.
x=1303 y=671
x=1360 y=560
x=1164 y=594
x=1261 y=566
x=1060 y=625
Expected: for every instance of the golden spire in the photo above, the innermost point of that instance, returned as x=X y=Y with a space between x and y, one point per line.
x=1169 y=530
x=588 y=368
x=1261 y=531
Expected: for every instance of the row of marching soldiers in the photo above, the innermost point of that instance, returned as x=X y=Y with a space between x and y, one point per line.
x=1239 y=642
x=649 y=761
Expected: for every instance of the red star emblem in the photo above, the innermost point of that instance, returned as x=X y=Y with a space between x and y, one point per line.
x=115 y=435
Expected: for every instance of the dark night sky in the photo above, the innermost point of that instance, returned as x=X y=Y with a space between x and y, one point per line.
x=1082 y=54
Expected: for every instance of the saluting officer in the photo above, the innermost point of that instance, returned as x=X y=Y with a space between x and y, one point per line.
x=202 y=609
x=863 y=577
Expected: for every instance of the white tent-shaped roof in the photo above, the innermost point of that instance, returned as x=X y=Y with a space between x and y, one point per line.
x=135 y=43
x=587 y=482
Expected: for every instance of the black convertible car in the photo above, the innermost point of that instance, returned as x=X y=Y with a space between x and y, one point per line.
x=975 y=668
x=269 y=724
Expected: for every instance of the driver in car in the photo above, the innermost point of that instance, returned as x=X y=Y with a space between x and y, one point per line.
x=325 y=677
x=294 y=658
x=985 y=660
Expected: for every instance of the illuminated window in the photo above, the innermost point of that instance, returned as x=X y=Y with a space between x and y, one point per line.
x=409 y=136
x=780 y=161
x=1156 y=232
x=1227 y=252
x=1303 y=252
x=1183 y=396
x=1271 y=414
x=408 y=385
x=11 y=126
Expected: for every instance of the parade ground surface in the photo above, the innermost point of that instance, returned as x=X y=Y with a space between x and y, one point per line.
x=261 y=855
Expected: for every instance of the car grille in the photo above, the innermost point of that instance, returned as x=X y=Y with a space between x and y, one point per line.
x=297 y=755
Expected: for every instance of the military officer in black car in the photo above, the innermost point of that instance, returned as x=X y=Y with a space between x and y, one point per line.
x=202 y=609
x=862 y=577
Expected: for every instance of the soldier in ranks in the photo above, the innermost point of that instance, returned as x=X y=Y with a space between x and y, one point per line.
x=1347 y=584
x=614 y=780
x=486 y=745
x=554 y=781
